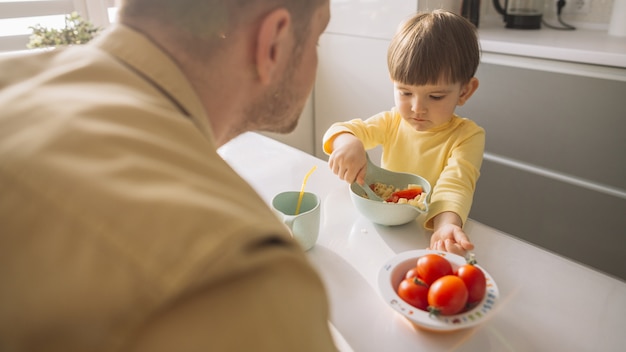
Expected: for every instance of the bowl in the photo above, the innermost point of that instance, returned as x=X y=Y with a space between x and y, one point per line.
x=392 y=273
x=388 y=214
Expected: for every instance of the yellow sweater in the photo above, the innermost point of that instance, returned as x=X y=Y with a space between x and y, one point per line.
x=448 y=156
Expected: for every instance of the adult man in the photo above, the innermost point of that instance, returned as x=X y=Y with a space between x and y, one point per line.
x=121 y=229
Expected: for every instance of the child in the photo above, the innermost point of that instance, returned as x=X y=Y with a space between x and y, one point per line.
x=432 y=60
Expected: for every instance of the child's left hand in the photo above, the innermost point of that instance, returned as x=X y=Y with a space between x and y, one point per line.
x=448 y=235
x=451 y=238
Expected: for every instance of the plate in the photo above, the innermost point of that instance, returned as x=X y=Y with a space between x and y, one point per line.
x=392 y=273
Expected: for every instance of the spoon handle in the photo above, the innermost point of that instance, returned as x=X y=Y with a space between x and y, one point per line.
x=370 y=194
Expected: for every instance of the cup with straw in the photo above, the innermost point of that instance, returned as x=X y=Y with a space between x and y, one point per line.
x=300 y=211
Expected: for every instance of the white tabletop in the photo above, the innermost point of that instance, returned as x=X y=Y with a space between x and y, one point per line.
x=547 y=302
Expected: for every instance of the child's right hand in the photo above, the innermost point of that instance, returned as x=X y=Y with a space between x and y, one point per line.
x=348 y=159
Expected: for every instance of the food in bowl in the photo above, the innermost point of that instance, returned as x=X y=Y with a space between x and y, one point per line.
x=403 y=265
x=389 y=214
x=413 y=194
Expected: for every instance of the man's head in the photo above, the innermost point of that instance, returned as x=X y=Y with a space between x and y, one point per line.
x=252 y=62
x=432 y=48
x=211 y=21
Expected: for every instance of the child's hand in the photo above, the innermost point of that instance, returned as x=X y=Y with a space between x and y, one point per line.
x=451 y=238
x=348 y=159
x=448 y=235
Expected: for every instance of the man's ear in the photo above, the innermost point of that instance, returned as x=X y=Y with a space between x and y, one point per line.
x=467 y=91
x=272 y=43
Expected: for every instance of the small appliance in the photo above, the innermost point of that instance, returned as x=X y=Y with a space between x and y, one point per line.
x=521 y=14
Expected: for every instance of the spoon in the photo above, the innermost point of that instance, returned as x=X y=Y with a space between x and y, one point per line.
x=370 y=194
x=365 y=187
x=375 y=172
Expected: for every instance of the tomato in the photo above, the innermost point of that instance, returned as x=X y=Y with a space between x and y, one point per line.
x=430 y=267
x=409 y=193
x=475 y=281
x=447 y=295
x=414 y=292
x=411 y=273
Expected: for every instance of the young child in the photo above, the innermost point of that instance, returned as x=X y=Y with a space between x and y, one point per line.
x=432 y=60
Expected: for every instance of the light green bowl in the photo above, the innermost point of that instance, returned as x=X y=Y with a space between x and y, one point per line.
x=388 y=214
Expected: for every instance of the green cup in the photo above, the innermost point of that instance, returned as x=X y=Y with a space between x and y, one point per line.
x=305 y=226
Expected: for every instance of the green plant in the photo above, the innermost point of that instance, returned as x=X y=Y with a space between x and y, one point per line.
x=76 y=31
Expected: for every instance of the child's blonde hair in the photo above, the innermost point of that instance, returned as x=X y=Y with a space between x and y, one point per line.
x=435 y=47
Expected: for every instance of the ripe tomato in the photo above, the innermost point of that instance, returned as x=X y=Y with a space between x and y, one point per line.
x=430 y=267
x=411 y=273
x=414 y=292
x=408 y=194
x=447 y=295
x=475 y=281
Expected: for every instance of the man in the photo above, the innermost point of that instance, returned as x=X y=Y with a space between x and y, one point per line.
x=121 y=229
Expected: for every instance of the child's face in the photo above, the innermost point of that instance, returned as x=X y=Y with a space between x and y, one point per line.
x=429 y=106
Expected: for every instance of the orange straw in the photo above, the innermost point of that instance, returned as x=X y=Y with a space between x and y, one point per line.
x=306 y=177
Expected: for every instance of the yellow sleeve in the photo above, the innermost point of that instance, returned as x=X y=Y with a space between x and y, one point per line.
x=330 y=135
x=454 y=189
x=370 y=132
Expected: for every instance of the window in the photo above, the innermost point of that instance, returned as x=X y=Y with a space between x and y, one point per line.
x=16 y=16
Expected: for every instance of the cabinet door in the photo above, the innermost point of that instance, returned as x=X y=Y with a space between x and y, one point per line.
x=369 y=18
x=352 y=81
x=555 y=164
x=352 y=77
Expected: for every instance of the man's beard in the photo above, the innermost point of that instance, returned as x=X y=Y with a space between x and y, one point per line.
x=277 y=110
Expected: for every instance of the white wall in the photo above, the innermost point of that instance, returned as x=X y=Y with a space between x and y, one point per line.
x=352 y=79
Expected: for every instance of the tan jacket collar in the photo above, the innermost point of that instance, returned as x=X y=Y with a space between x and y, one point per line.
x=143 y=56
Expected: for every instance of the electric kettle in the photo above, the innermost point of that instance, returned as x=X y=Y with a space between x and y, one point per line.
x=521 y=14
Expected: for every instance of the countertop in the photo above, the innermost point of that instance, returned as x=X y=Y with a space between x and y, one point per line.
x=585 y=46
x=547 y=302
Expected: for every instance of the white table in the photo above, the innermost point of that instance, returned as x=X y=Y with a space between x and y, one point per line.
x=547 y=302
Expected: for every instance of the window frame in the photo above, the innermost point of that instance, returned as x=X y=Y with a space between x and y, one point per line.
x=95 y=11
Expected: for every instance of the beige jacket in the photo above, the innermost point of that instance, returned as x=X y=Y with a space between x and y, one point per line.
x=122 y=229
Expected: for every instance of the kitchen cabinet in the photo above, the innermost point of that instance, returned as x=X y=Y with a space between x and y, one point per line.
x=554 y=171
x=352 y=82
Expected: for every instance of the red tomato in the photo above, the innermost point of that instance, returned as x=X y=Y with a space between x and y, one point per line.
x=414 y=292
x=411 y=273
x=447 y=295
x=430 y=267
x=409 y=193
x=475 y=281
